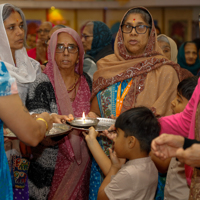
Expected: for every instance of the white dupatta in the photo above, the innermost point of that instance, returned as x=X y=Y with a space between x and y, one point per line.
x=25 y=69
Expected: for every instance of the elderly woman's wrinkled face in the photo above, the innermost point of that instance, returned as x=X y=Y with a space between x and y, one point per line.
x=135 y=43
x=66 y=55
x=43 y=31
x=87 y=37
x=190 y=53
x=15 y=31
x=165 y=48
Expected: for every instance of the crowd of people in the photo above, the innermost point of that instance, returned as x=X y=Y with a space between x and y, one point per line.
x=143 y=82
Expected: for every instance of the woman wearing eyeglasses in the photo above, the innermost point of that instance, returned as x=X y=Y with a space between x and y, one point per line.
x=136 y=75
x=61 y=167
x=96 y=38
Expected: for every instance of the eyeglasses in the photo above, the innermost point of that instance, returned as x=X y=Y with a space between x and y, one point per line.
x=140 y=29
x=86 y=36
x=71 y=48
x=44 y=31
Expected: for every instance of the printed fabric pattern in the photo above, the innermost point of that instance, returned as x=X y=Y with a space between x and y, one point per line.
x=7 y=87
x=107 y=104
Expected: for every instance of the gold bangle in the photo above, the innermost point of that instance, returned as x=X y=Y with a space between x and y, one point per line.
x=41 y=119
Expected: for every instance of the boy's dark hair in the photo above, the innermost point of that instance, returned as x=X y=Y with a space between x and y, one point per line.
x=186 y=87
x=141 y=123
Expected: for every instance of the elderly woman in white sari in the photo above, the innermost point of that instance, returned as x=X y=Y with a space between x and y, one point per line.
x=13 y=36
x=24 y=69
x=168 y=47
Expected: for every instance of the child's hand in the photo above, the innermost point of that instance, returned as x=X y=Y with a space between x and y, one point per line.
x=91 y=135
x=110 y=133
x=116 y=162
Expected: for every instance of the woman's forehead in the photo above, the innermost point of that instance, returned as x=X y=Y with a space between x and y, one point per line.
x=13 y=18
x=190 y=46
x=64 y=37
x=134 y=18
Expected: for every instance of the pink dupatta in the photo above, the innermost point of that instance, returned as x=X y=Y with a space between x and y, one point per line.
x=183 y=123
x=73 y=160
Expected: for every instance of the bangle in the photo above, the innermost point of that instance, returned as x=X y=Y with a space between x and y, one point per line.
x=45 y=62
x=41 y=119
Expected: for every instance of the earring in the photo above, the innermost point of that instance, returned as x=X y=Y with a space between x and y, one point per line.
x=77 y=61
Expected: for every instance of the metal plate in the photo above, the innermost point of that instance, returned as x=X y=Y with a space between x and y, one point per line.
x=80 y=123
x=103 y=124
x=58 y=129
x=10 y=133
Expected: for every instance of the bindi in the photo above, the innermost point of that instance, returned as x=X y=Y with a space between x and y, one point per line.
x=133 y=20
x=17 y=20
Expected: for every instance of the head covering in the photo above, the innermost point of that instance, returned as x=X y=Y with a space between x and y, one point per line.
x=102 y=37
x=72 y=149
x=173 y=46
x=182 y=62
x=26 y=68
x=53 y=72
x=121 y=65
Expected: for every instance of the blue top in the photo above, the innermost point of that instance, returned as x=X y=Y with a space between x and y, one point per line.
x=7 y=87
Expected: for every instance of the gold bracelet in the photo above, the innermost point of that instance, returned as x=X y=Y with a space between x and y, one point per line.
x=41 y=119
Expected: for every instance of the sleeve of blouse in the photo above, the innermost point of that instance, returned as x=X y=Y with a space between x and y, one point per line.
x=8 y=84
x=41 y=97
x=179 y=124
x=188 y=143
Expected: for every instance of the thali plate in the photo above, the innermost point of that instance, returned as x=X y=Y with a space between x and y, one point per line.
x=78 y=122
x=103 y=124
x=57 y=129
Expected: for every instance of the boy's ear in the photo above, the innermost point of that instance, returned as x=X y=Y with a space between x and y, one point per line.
x=131 y=142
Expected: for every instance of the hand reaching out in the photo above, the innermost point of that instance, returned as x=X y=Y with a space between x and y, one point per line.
x=189 y=156
x=61 y=119
x=92 y=115
x=91 y=135
x=111 y=132
x=166 y=145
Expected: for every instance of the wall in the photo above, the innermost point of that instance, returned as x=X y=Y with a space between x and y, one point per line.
x=75 y=18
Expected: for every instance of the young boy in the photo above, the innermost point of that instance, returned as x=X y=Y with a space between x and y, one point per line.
x=176 y=185
x=137 y=178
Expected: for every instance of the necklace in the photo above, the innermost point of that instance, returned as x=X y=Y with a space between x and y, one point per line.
x=70 y=89
x=120 y=100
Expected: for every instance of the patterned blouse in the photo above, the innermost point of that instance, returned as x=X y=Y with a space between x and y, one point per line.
x=8 y=86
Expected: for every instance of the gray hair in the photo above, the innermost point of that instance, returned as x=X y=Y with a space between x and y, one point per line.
x=8 y=9
x=58 y=26
x=163 y=39
x=144 y=14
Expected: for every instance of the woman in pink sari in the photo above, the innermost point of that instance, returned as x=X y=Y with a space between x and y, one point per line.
x=61 y=166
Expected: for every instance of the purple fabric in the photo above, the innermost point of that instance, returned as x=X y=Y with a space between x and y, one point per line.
x=21 y=194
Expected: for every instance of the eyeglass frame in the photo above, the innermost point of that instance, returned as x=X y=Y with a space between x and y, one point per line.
x=44 y=31
x=134 y=27
x=86 y=36
x=67 y=49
